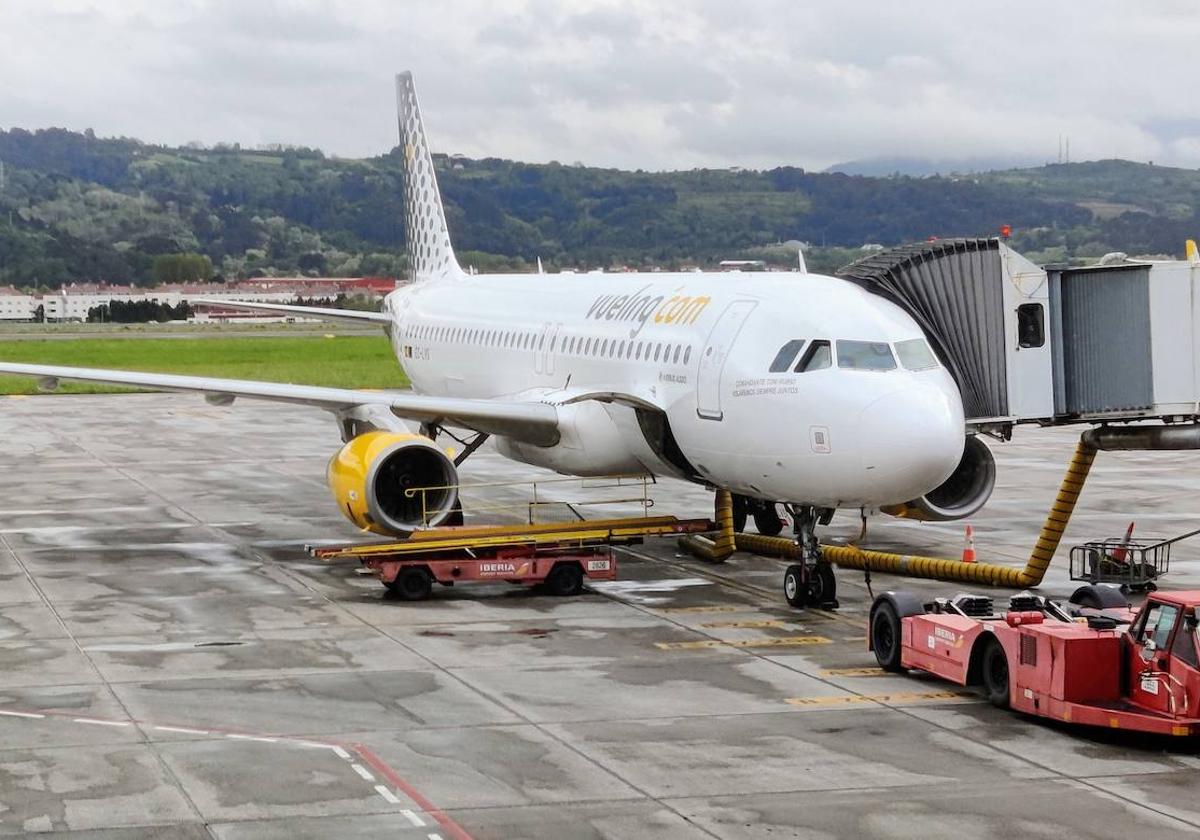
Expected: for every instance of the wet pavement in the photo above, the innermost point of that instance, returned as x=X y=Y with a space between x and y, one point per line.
x=174 y=665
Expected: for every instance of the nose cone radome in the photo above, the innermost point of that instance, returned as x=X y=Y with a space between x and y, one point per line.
x=912 y=439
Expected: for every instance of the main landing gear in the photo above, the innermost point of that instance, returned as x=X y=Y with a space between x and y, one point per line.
x=765 y=515
x=810 y=582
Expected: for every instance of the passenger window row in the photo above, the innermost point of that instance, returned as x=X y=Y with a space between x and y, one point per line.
x=914 y=354
x=610 y=348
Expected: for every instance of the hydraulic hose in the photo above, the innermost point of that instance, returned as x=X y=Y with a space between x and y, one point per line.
x=721 y=546
x=853 y=557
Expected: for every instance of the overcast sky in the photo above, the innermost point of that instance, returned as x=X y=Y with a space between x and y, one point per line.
x=630 y=83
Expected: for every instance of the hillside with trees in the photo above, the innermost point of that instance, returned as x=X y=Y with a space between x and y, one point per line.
x=75 y=207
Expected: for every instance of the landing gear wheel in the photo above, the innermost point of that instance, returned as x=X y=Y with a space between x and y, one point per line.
x=565 y=579
x=767 y=521
x=995 y=675
x=412 y=584
x=885 y=637
x=822 y=586
x=740 y=512
x=795 y=588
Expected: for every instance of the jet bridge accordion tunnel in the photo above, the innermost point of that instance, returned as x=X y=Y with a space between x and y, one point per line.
x=1116 y=342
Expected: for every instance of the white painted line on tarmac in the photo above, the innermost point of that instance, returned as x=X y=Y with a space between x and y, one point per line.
x=341 y=753
x=21 y=714
x=101 y=722
x=252 y=738
x=434 y=836
x=387 y=794
x=182 y=729
x=314 y=745
x=413 y=818
x=363 y=771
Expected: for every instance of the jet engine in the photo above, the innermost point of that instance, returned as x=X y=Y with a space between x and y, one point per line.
x=964 y=492
x=392 y=484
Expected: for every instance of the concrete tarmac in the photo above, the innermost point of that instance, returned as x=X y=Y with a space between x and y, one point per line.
x=174 y=665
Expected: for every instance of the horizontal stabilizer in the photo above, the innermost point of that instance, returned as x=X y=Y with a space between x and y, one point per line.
x=323 y=312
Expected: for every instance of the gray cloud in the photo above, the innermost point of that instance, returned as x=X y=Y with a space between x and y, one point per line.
x=633 y=83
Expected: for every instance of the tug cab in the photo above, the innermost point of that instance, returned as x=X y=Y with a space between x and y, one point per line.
x=1162 y=656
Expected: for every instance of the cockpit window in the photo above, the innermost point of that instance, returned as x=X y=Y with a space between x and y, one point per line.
x=915 y=354
x=786 y=355
x=865 y=355
x=817 y=357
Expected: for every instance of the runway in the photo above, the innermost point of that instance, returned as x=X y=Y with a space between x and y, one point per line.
x=174 y=665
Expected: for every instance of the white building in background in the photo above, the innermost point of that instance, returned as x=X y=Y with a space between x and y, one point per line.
x=16 y=305
x=73 y=302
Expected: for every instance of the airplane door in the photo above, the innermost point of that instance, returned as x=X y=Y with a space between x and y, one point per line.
x=552 y=339
x=713 y=357
x=544 y=348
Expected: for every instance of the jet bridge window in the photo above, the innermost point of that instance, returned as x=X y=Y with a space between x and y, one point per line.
x=818 y=357
x=786 y=355
x=1031 y=325
x=915 y=354
x=865 y=355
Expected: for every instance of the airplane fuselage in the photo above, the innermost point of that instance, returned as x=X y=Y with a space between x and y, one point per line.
x=853 y=423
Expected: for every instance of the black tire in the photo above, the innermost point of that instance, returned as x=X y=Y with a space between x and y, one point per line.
x=822 y=585
x=885 y=636
x=795 y=590
x=740 y=512
x=995 y=675
x=565 y=579
x=767 y=521
x=412 y=584
x=456 y=518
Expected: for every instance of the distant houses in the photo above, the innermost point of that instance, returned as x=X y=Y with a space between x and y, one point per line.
x=73 y=302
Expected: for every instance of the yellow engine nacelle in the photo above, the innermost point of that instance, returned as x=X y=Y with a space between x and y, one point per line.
x=392 y=484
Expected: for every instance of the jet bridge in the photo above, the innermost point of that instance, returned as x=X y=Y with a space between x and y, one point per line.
x=1052 y=345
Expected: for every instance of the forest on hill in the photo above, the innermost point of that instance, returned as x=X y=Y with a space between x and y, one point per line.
x=76 y=207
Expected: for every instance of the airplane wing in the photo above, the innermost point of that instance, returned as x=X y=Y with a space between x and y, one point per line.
x=322 y=312
x=530 y=422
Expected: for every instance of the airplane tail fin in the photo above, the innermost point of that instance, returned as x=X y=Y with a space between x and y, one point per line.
x=428 y=240
x=1193 y=256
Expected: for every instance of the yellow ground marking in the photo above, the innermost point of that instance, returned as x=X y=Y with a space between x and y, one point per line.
x=711 y=609
x=895 y=697
x=854 y=672
x=779 y=641
x=749 y=624
x=18 y=396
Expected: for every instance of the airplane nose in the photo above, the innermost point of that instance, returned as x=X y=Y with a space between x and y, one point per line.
x=911 y=440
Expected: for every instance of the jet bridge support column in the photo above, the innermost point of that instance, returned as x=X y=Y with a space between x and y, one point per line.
x=722 y=545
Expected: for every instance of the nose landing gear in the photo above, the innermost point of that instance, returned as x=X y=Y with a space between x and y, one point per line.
x=810 y=582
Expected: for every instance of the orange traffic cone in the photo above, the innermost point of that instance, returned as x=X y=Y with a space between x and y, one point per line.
x=1121 y=552
x=969 y=546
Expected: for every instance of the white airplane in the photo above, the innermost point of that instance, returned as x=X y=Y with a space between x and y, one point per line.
x=790 y=387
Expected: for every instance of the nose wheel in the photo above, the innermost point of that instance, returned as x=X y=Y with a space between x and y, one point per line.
x=811 y=582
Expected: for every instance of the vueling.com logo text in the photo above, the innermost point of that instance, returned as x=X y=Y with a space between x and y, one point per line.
x=640 y=308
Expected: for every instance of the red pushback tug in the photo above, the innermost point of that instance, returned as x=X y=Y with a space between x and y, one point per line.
x=1094 y=661
x=557 y=554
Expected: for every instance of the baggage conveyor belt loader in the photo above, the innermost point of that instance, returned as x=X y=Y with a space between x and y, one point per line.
x=559 y=555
